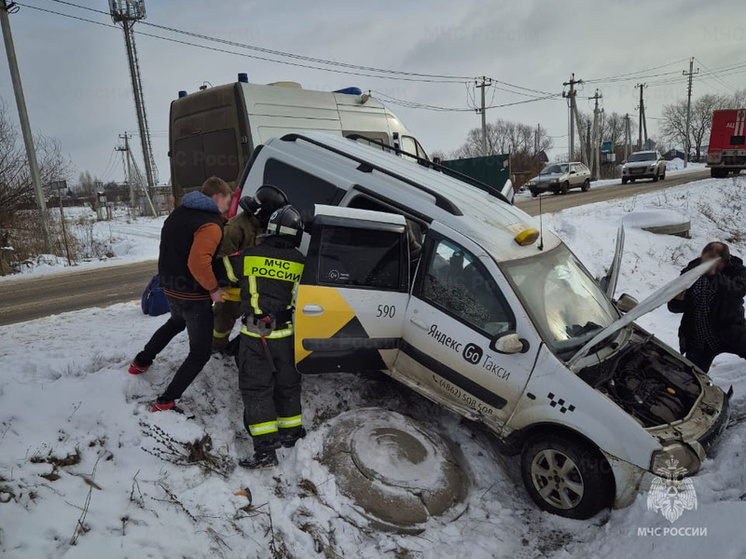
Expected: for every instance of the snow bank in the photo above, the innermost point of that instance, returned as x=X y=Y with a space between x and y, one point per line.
x=82 y=460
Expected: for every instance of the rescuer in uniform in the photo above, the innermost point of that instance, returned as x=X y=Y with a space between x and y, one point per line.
x=269 y=382
x=242 y=231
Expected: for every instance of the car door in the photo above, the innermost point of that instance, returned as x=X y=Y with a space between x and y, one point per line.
x=460 y=304
x=352 y=297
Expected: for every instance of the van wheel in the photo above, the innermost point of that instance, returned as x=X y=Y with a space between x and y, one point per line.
x=565 y=188
x=586 y=185
x=566 y=476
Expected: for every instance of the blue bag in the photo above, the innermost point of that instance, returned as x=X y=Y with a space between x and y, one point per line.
x=154 y=301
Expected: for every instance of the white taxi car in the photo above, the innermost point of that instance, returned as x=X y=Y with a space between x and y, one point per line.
x=456 y=294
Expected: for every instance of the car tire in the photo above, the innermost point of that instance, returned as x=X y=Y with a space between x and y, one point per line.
x=566 y=476
x=655 y=177
x=632 y=181
x=565 y=188
x=586 y=185
x=534 y=193
x=624 y=180
x=663 y=176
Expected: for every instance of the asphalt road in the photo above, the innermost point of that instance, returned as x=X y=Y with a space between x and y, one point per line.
x=27 y=299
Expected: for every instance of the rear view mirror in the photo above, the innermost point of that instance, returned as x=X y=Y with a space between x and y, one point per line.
x=626 y=303
x=508 y=343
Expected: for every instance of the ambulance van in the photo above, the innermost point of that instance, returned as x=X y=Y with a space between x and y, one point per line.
x=459 y=295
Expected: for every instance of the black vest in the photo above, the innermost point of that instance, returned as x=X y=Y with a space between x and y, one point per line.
x=177 y=237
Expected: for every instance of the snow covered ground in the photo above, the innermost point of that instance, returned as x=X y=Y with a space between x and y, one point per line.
x=87 y=471
x=108 y=243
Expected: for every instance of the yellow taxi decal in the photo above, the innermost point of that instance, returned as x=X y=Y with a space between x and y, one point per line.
x=335 y=315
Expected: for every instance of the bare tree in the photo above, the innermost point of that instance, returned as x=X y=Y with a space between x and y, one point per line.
x=673 y=126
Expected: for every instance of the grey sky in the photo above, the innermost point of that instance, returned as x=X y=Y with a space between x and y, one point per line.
x=78 y=88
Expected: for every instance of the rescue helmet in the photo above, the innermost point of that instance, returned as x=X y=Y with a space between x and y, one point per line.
x=286 y=223
x=264 y=202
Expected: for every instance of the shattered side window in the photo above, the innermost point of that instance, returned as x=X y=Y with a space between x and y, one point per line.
x=459 y=284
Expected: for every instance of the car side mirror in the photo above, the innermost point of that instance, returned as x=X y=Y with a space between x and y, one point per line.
x=626 y=303
x=509 y=343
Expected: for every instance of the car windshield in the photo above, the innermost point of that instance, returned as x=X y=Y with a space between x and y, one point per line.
x=566 y=305
x=642 y=157
x=554 y=169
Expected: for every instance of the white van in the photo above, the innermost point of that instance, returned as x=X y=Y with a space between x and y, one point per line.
x=456 y=294
x=215 y=130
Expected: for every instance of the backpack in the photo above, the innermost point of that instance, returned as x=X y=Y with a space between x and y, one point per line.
x=154 y=301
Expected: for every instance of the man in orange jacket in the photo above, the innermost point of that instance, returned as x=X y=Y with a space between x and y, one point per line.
x=190 y=239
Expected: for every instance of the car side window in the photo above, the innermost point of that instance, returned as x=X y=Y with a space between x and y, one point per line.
x=458 y=283
x=354 y=257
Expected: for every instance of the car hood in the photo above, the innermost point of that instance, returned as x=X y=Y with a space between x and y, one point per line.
x=663 y=295
x=637 y=164
x=547 y=178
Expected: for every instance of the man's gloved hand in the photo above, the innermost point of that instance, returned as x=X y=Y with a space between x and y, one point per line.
x=261 y=326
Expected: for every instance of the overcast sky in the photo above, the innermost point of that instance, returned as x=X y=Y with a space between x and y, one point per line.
x=78 y=89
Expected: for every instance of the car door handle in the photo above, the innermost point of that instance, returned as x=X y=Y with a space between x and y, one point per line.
x=419 y=323
x=312 y=309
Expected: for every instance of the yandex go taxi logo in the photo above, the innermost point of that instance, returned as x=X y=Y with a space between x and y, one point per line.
x=473 y=353
x=272 y=268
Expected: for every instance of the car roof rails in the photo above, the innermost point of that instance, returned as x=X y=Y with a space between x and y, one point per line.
x=441 y=201
x=436 y=166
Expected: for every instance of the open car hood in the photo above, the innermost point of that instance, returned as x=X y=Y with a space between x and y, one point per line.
x=663 y=295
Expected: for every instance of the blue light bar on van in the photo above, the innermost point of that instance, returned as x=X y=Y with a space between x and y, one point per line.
x=243 y=77
x=182 y=93
x=350 y=91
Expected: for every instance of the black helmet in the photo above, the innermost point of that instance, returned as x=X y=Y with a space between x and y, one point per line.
x=286 y=223
x=265 y=201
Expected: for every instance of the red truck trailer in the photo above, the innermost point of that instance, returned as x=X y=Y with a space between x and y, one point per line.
x=727 y=150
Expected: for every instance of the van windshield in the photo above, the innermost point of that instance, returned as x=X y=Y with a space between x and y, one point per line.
x=566 y=305
x=554 y=169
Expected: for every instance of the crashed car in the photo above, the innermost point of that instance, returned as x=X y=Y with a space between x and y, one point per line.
x=458 y=295
x=560 y=178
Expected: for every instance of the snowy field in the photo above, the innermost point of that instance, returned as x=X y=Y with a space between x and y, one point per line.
x=119 y=241
x=86 y=471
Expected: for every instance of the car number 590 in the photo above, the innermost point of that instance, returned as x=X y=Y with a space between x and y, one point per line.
x=386 y=311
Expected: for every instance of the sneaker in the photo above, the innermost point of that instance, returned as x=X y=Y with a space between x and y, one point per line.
x=164 y=405
x=136 y=369
x=261 y=459
x=288 y=437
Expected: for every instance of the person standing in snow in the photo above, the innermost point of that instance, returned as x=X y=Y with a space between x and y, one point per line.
x=267 y=378
x=713 y=321
x=242 y=231
x=189 y=241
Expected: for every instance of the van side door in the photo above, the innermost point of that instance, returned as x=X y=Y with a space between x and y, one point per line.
x=353 y=294
x=460 y=305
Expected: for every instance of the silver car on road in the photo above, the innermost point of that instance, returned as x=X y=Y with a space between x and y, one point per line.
x=561 y=177
x=644 y=165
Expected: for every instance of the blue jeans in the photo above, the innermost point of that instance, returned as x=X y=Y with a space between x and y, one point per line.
x=196 y=317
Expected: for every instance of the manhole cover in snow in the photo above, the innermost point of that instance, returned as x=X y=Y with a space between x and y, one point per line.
x=396 y=473
x=661 y=222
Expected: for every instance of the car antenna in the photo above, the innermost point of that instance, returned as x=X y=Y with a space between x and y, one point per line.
x=541 y=227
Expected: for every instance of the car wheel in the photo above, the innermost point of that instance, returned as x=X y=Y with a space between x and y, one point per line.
x=565 y=188
x=632 y=180
x=566 y=476
x=586 y=185
x=624 y=180
x=534 y=193
x=655 y=177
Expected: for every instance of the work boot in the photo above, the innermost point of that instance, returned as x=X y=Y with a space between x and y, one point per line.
x=288 y=437
x=264 y=458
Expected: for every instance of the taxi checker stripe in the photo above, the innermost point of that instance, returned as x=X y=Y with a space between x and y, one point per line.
x=272 y=268
x=289 y=422
x=263 y=428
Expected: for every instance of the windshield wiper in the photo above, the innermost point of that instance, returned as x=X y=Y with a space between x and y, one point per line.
x=576 y=330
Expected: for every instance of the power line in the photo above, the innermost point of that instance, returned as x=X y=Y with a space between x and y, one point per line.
x=416 y=105
x=598 y=80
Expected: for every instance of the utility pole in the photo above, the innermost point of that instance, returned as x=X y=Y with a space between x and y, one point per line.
x=627 y=137
x=486 y=82
x=573 y=111
x=595 y=162
x=537 y=140
x=643 y=122
x=28 y=139
x=690 y=74
x=126 y=13
x=126 y=155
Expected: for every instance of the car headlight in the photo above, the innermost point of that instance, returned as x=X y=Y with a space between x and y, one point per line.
x=675 y=457
x=555 y=181
x=624 y=168
x=529 y=184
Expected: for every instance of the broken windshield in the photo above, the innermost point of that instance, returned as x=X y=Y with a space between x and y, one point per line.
x=566 y=305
